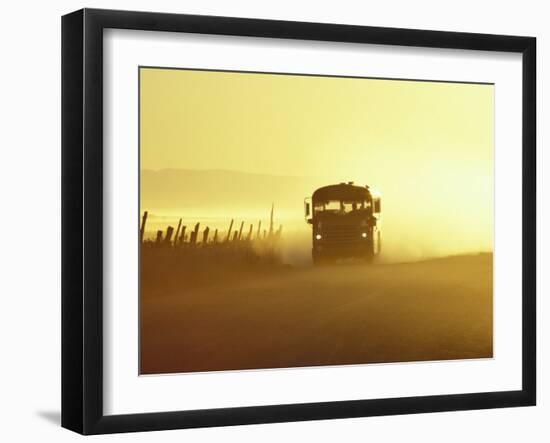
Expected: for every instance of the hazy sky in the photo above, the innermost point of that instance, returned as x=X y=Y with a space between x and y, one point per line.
x=428 y=147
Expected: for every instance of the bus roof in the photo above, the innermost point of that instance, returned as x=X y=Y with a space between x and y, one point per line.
x=342 y=190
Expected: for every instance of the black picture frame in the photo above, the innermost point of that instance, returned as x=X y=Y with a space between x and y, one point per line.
x=82 y=218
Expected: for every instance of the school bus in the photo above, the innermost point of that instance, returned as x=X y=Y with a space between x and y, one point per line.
x=346 y=223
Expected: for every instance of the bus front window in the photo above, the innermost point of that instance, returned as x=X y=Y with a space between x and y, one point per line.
x=340 y=207
x=329 y=206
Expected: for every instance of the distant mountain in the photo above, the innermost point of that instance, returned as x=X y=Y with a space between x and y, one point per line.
x=223 y=190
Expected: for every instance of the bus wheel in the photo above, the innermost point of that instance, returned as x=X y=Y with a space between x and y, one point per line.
x=319 y=260
x=367 y=258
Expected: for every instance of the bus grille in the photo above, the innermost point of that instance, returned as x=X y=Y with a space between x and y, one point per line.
x=341 y=234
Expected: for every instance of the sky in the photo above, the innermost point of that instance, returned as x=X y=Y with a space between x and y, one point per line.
x=426 y=146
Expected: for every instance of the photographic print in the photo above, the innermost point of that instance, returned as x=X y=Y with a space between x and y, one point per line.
x=290 y=220
x=305 y=214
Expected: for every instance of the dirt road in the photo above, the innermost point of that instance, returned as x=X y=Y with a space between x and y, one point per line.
x=345 y=314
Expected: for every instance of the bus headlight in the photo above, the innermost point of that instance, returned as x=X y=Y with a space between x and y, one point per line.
x=318 y=236
x=364 y=234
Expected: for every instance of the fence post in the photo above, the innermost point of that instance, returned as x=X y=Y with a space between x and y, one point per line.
x=215 y=240
x=235 y=234
x=182 y=235
x=229 y=232
x=159 y=237
x=205 y=236
x=176 y=237
x=241 y=230
x=259 y=229
x=271 y=220
x=142 y=228
x=168 y=238
x=249 y=236
x=194 y=234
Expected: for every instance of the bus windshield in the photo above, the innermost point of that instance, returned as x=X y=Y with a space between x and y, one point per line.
x=341 y=207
